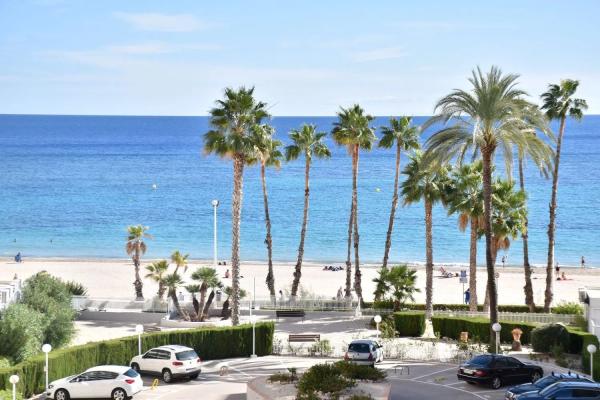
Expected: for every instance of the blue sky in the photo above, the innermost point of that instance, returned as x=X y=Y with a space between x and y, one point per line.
x=305 y=58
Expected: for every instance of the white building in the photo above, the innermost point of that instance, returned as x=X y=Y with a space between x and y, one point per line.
x=10 y=291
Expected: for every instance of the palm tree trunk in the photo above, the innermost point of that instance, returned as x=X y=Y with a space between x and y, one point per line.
x=357 y=273
x=486 y=302
x=180 y=311
x=525 y=235
x=473 y=266
x=388 y=237
x=348 y=290
x=268 y=239
x=236 y=214
x=206 y=308
x=548 y=295
x=428 y=259
x=487 y=210
x=161 y=290
x=298 y=269
x=203 y=289
x=139 y=295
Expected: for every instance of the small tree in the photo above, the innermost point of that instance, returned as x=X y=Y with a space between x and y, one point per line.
x=21 y=332
x=398 y=283
x=156 y=272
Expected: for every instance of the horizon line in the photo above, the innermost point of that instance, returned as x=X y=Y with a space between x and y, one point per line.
x=200 y=116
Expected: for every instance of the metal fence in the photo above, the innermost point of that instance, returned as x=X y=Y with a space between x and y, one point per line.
x=536 y=318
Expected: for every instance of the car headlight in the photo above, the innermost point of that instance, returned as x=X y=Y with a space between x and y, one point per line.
x=50 y=386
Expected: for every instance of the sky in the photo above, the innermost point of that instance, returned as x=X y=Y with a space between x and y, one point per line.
x=150 y=57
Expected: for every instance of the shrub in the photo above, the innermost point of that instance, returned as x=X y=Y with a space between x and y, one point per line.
x=210 y=343
x=21 y=332
x=451 y=327
x=546 y=337
x=360 y=397
x=282 y=378
x=359 y=372
x=568 y=307
x=322 y=379
x=4 y=362
x=409 y=323
x=322 y=348
x=76 y=288
x=7 y=395
x=387 y=328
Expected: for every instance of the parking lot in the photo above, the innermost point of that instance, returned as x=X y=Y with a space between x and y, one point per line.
x=227 y=380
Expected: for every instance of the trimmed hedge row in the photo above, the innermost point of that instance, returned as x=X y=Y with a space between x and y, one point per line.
x=450 y=307
x=410 y=323
x=479 y=328
x=210 y=344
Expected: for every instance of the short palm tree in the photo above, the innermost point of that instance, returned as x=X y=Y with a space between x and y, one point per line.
x=180 y=260
x=353 y=130
x=404 y=137
x=172 y=283
x=425 y=182
x=492 y=116
x=135 y=248
x=267 y=154
x=558 y=103
x=192 y=289
x=310 y=143
x=208 y=278
x=232 y=120
x=156 y=272
x=399 y=282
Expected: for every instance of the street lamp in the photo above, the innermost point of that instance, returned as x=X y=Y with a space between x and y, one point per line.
x=591 y=349
x=47 y=348
x=215 y=204
x=139 y=329
x=377 y=320
x=496 y=327
x=14 y=379
x=253 y=320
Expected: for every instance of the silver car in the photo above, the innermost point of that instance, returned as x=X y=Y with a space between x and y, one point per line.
x=364 y=352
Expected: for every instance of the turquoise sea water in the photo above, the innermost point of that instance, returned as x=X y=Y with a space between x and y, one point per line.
x=69 y=186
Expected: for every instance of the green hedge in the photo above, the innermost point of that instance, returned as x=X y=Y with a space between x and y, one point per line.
x=410 y=323
x=451 y=307
x=210 y=344
x=478 y=328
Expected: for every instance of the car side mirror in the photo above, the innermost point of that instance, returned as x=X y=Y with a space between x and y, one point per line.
x=75 y=380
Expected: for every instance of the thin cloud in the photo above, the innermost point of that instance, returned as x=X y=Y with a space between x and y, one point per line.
x=162 y=22
x=385 y=53
x=150 y=48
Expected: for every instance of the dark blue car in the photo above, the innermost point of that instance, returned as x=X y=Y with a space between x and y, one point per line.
x=544 y=382
x=565 y=391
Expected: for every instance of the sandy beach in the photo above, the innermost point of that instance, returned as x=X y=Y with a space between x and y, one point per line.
x=113 y=278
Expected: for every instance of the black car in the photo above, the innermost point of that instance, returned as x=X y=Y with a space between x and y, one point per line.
x=544 y=382
x=497 y=370
x=565 y=391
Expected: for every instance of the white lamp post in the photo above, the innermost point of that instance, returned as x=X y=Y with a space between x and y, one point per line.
x=377 y=320
x=47 y=348
x=215 y=204
x=591 y=349
x=139 y=329
x=253 y=320
x=14 y=379
x=496 y=327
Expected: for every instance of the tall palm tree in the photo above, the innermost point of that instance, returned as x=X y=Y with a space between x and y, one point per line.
x=406 y=138
x=308 y=142
x=180 y=260
x=135 y=248
x=528 y=288
x=353 y=130
x=465 y=198
x=266 y=153
x=156 y=272
x=208 y=278
x=172 y=282
x=232 y=120
x=558 y=103
x=492 y=116
x=427 y=183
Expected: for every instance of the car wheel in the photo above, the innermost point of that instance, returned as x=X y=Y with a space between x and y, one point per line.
x=61 y=394
x=167 y=376
x=496 y=382
x=118 y=394
x=135 y=367
x=535 y=376
x=194 y=376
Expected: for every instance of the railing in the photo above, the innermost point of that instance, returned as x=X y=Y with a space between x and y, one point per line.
x=305 y=304
x=536 y=318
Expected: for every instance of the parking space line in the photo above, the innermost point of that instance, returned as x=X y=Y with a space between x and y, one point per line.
x=433 y=373
x=451 y=387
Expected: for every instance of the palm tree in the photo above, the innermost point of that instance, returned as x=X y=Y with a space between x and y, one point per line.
x=558 y=102
x=465 y=197
x=406 y=138
x=232 y=120
x=180 y=260
x=399 y=282
x=309 y=142
x=225 y=311
x=135 y=248
x=208 y=278
x=427 y=183
x=172 y=282
x=193 y=289
x=156 y=272
x=266 y=153
x=492 y=116
x=528 y=288
x=353 y=131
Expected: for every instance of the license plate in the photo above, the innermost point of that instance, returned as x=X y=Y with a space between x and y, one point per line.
x=468 y=371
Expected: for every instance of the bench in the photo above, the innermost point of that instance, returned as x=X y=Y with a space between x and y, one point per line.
x=290 y=313
x=304 y=338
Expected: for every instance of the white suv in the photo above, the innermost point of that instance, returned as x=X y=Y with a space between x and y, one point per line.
x=169 y=362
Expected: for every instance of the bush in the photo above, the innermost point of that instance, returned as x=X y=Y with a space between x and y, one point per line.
x=4 y=362
x=282 y=378
x=389 y=305
x=7 y=395
x=21 y=332
x=210 y=343
x=568 y=307
x=410 y=323
x=76 y=288
x=547 y=337
x=479 y=328
x=322 y=379
x=359 y=372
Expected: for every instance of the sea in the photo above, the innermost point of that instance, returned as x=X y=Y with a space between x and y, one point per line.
x=70 y=186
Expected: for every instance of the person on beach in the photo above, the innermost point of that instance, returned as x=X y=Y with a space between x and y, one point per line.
x=503 y=261
x=227 y=274
x=18 y=257
x=582 y=262
x=467 y=296
x=339 y=294
x=557 y=268
x=281 y=299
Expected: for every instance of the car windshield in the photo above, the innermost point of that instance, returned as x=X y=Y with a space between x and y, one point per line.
x=547 y=381
x=548 y=390
x=131 y=373
x=186 y=355
x=359 y=347
x=480 y=360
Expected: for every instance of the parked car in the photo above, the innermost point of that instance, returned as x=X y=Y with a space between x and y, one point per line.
x=168 y=362
x=497 y=370
x=574 y=390
x=540 y=384
x=364 y=352
x=106 y=381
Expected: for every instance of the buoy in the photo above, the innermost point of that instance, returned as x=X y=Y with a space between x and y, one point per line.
x=377 y=190
x=154 y=186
